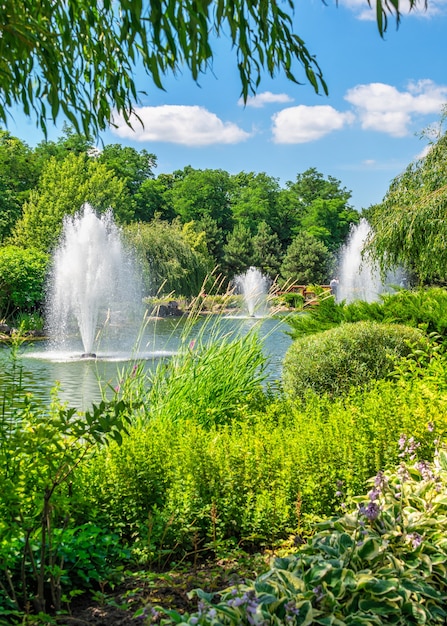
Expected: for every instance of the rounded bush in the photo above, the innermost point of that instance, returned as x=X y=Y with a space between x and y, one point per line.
x=349 y=355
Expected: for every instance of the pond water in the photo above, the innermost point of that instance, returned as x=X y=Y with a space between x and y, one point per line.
x=81 y=380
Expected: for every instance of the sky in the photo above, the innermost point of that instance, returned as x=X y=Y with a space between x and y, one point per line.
x=383 y=93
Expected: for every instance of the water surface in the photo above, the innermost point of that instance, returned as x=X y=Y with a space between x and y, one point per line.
x=81 y=380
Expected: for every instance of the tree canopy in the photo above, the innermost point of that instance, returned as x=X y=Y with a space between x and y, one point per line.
x=409 y=228
x=78 y=58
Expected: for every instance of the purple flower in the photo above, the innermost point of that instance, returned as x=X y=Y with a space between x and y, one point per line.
x=319 y=593
x=381 y=481
x=370 y=511
x=425 y=470
x=415 y=540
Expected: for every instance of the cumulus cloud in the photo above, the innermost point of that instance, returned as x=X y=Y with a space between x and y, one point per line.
x=267 y=97
x=363 y=11
x=385 y=109
x=302 y=124
x=179 y=124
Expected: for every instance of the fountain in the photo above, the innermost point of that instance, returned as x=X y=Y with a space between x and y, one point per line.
x=359 y=278
x=93 y=283
x=253 y=285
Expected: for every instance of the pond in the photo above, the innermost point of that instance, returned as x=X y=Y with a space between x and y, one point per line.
x=81 y=380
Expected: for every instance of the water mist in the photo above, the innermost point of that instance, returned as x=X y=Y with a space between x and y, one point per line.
x=93 y=284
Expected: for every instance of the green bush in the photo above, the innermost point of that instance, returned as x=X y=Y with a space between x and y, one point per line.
x=350 y=355
x=171 y=486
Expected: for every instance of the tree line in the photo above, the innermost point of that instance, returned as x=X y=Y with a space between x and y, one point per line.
x=183 y=225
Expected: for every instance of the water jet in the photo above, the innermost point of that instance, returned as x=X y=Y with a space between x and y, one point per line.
x=94 y=292
x=253 y=286
x=359 y=277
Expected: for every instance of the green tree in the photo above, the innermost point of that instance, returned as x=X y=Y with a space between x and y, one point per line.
x=22 y=279
x=135 y=169
x=253 y=199
x=267 y=251
x=307 y=261
x=321 y=207
x=174 y=256
x=238 y=251
x=199 y=194
x=409 y=227
x=70 y=142
x=18 y=175
x=64 y=187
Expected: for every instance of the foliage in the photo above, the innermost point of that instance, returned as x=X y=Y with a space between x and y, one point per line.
x=22 y=279
x=174 y=257
x=335 y=360
x=134 y=169
x=266 y=250
x=384 y=559
x=18 y=174
x=408 y=227
x=238 y=251
x=419 y=308
x=200 y=194
x=253 y=199
x=79 y=59
x=65 y=186
x=208 y=381
x=321 y=207
x=40 y=449
x=306 y=261
x=179 y=488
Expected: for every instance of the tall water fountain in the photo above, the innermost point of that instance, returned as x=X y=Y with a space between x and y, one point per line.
x=359 y=278
x=93 y=285
x=254 y=287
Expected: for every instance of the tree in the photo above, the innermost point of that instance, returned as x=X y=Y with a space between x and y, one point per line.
x=238 y=251
x=267 y=251
x=199 y=194
x=134 y=168
x=409 y=228
x=173 y=255
x=321 y=207
x=307 y=261
x=22 y=279
x=63 y=188
x=253 y=199
x=78 y=57
x=18 y=175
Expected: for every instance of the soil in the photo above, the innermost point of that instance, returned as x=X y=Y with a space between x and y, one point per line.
x=145 y=591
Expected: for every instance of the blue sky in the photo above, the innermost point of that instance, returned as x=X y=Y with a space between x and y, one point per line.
x=382 y=94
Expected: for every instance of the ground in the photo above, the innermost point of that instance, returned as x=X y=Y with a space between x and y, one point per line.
x=145 y=589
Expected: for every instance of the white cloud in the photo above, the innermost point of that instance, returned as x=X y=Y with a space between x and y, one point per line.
x=302 y=124
x=363 y=11
x=267 y=97
x=179 y=124
x=385 y=109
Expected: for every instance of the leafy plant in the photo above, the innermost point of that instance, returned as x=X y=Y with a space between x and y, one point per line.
x=40 y=449
x=352 y=354
x=22 y=277
x=386 y=559
x=420 y=308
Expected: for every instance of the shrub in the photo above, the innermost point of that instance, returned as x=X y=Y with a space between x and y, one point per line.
x=171 y=486
x=349 y=355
